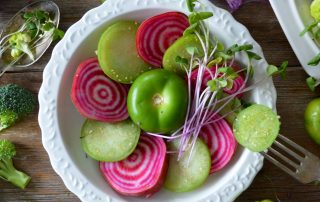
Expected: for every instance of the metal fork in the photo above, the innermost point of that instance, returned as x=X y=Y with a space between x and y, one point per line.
x=304 y=167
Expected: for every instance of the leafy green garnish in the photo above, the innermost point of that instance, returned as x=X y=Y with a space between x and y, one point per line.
x=191 y=4
x=312 y=83
x=314 y=61
x=196 y=17
x=309 y=28
x=273 y=70
x=181 y=60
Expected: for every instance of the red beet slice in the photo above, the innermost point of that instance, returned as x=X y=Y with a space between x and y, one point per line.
x=157 y=33
x=221 y=142
x=96 y=96
x=143 y=172
x=237 y=83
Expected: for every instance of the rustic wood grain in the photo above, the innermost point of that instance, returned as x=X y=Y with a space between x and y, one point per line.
x=293 y=96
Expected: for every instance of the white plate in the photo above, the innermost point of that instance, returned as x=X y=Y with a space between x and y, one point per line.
x=294 y=16
x=60 y=122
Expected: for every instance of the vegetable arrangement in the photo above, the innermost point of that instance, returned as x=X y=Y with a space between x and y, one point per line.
x=184 y=96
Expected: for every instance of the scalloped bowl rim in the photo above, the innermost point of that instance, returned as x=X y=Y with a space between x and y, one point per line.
x=54 y=102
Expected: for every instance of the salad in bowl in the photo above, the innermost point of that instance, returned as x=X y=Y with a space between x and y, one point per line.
x=147 y=101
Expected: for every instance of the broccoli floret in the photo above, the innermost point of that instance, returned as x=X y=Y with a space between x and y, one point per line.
x=7 y=170
x=15 y=103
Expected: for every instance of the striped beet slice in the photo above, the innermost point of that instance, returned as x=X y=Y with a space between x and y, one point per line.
x=143 y=172
x=96 y=96
x=157 y=33
x=238 y=83
x=221 y=142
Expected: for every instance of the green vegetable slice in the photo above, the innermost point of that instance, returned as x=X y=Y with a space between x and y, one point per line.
x=256 y=127
x=184 y=177
x=109 y=142
x=180 y=49
x=117 y=52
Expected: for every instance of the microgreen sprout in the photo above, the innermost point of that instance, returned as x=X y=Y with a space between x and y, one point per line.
x=312 y=83
x=205 y=102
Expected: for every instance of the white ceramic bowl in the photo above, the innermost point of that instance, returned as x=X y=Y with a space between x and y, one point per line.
x=60 y=122
x=294 y=16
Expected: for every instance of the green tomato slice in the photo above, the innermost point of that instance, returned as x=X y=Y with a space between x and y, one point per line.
x=256 y=127
x=183 y=176
x=117 y=52
x=109 y=142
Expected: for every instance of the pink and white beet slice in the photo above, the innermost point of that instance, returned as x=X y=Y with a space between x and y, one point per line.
x=221 y=142
x=143 y=172
x=96 y=96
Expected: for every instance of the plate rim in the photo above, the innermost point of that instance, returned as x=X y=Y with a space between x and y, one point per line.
x=53 y=143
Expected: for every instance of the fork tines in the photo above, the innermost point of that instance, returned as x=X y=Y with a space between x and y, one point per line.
x=293 y=159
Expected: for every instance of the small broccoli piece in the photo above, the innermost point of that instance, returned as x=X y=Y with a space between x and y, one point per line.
x=7 y=170
x=15 y=103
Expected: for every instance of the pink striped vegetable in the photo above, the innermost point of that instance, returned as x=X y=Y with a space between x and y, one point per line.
x=157 y=33
x=238 y=83
x=143 y=172
x=96 y=96
x=221 y=142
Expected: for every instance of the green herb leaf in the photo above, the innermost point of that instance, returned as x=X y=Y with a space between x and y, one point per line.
x=213 y=85
x=48 y=26
x=27 y=15
x=312 y=83
x=191 y=29
x=196 y=17
x=191 y=5
x=253 y=55
x=31 y=26
x=57 y=34
x=41 y=15
x=314 y=61
x=271 y=70
x=192 y=50
x=229 y=83
x=223 y=55
x=236 y=48
x=215 y=61
x=181 y=60
x=283 y=69
x=222 y=82
x=309 y=28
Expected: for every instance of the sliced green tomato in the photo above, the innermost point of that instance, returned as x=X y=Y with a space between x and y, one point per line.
x=184 y=177
x=256 y=127
x=179 y=48
x=315 y=9
x=312 y=119
x=117 y=53
x=109 y=142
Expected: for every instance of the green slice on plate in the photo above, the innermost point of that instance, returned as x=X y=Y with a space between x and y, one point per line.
x=256 y=127
x=109 y=142
x=183 y=176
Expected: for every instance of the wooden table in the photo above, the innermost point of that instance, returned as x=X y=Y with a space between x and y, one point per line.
x=293 y=96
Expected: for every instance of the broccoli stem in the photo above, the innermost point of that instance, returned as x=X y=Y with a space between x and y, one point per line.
x=9 y=173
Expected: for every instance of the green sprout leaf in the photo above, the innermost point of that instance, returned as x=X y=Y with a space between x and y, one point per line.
x=253 y=55
x=215 y=61
x=181 y=60
x=213 y=85
x=309 y=28
x=314 y=61
x=57 y=34
x=191 y=29
x=196 y=17
x=272 y=70
x=191 y=4
x=312 y=83
x=192 y=50
x=48 y=26
x=236 y=48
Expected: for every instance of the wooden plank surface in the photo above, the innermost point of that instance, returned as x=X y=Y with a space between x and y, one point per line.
x=293 y=96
